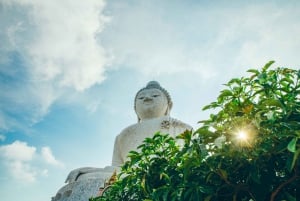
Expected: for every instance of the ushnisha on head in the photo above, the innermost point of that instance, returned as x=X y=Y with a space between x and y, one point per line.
x=152 y=101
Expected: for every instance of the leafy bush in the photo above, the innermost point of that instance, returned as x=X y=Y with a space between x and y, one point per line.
x=248 y=150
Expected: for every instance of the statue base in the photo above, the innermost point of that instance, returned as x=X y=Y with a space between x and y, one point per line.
x=85 y=187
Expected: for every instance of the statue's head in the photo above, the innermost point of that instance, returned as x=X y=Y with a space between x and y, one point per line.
x=152 y=101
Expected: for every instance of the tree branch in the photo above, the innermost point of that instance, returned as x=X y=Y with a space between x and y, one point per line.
x=274 y=193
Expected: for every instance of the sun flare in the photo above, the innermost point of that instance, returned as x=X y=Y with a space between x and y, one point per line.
x=244 y=135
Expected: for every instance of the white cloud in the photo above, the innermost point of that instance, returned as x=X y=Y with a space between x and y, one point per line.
x=47 y=155
x=18 y=151
x=202 y=39
x=65 y=49
x=22 y=171
x=22 y=161
x=263 y=36
x=17 y=157
x=50 y=47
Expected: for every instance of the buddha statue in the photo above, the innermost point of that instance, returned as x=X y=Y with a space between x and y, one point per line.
x=152 y=105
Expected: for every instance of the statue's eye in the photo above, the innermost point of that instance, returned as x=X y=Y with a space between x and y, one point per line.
x=141 y=98
x=155 y=95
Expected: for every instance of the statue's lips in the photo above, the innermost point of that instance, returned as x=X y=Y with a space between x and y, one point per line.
x=148 y=102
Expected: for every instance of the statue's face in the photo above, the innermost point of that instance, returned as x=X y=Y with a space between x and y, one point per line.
x=151 y=103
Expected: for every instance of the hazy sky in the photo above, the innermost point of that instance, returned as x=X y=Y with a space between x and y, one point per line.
x=69 y=71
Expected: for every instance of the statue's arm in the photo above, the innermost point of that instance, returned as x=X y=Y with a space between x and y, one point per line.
x=178 y=127
x=76 y=173
x=117 y=159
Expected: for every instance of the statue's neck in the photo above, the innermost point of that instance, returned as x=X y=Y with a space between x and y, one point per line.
x=153 y=118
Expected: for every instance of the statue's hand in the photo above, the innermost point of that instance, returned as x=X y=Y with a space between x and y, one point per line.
x=75 y=174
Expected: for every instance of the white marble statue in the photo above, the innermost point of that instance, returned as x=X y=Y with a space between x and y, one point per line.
x=152 y=105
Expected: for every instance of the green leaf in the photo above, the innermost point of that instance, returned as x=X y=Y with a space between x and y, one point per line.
x=164 y=175
x=295 y=158
x=286 y=79
x=212 y=105
x=290 y=197
x=223 y=173
x=268 y=65
x=226 y=92
x=208 y=198
x=234 y=80
x=292 y=145
x=271 y=102
x=253 y=71
x=186 y=136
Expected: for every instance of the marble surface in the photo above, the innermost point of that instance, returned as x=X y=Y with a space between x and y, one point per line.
x=85 y=186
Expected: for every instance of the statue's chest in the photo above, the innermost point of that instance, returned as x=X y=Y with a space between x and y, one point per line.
x=136 y=135
x=143 y=131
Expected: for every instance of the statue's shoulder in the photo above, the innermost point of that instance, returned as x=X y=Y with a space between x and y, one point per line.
x=129 y=128
x=127 y=131
x=177 y=123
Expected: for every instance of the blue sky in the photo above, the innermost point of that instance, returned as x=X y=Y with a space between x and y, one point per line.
x=69 y=71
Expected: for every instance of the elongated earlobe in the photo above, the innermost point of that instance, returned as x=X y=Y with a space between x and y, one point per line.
x=167 y=111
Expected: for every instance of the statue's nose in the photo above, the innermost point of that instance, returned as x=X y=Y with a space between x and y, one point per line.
x=147 y=98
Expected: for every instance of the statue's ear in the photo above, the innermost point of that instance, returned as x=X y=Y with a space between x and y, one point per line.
x=168 y=110
x=138 y=118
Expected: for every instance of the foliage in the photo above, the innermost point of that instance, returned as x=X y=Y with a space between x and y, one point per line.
x=248 y=150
